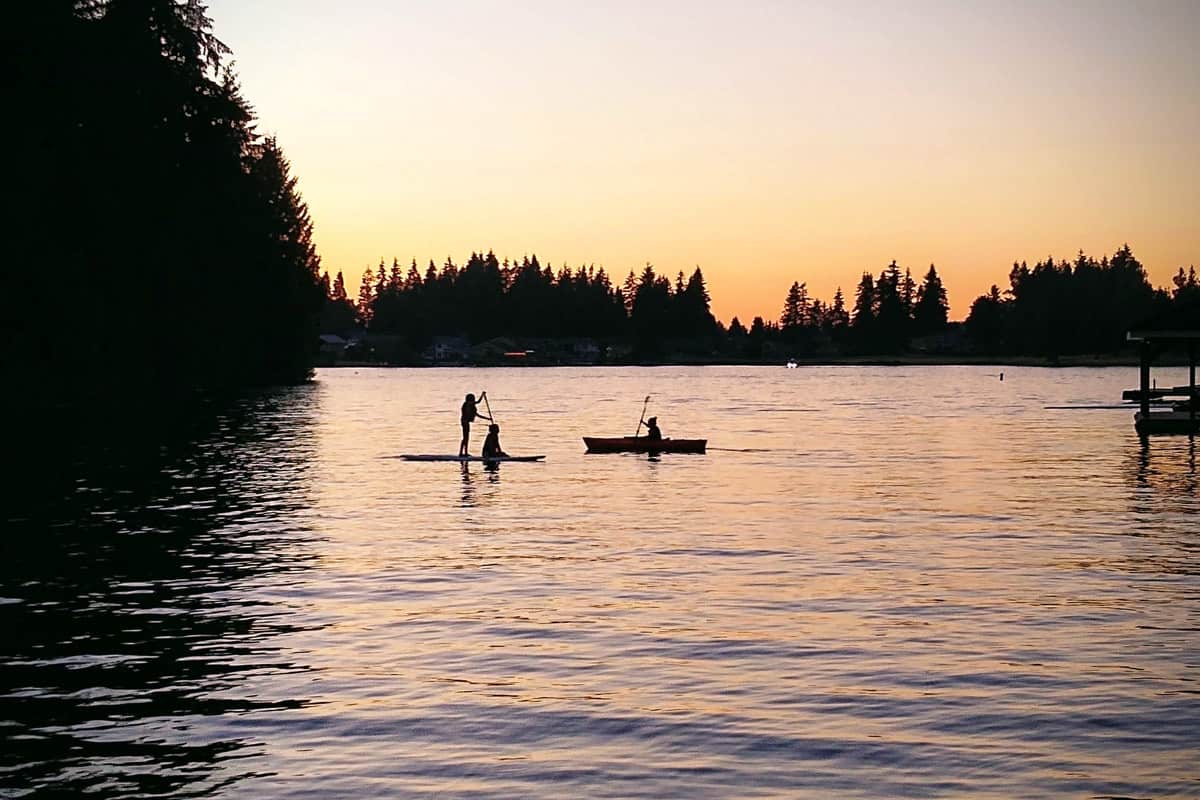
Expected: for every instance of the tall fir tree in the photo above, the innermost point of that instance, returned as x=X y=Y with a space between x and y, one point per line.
x=865 y=303
x=366 y=297
x=891 y=315
x=932 y=309
x=792 y=316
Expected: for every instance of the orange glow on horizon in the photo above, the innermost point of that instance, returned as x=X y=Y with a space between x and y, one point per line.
x=766 y=144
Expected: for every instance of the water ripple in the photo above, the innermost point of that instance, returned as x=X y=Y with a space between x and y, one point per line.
x=914 y=582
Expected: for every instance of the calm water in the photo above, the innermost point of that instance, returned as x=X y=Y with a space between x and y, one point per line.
x=879 y=582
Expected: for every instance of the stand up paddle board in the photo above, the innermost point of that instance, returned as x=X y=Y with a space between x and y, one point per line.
x=418 y=457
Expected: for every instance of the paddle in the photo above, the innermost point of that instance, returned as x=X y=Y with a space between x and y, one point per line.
x=643 y=418
x=488 y=406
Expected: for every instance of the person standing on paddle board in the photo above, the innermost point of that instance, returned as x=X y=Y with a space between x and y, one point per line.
x=469 y=414
x=491 y=445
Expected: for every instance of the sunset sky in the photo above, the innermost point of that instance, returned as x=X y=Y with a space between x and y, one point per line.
x=765 y=142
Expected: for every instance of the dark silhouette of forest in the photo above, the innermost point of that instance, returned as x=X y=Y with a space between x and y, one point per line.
x=1053 y=309
x=486 y=298
x=649 y=316
x=1084 y=306
x=158 y=244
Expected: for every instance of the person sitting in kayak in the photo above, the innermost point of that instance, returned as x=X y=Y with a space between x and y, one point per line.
x=491 y=444
x=652 y=431
x=469 y=414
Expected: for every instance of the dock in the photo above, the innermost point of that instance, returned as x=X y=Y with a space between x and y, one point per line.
x=1184 y=401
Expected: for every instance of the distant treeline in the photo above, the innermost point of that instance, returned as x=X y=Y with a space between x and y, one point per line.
x=1052 y=309
x=486 y=298
x=1084 y=306
x=157 y=242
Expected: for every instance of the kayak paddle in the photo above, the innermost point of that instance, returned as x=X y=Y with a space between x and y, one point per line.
x=643 y=418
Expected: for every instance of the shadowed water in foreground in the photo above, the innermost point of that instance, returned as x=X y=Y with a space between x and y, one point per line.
x=135 y=593
x=879 y=583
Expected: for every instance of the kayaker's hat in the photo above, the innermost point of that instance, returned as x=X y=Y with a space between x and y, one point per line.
x=652 y=420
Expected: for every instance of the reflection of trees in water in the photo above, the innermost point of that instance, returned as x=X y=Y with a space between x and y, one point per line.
x=129 y=606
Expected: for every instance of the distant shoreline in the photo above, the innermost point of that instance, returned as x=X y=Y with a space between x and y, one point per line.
x=909 y=360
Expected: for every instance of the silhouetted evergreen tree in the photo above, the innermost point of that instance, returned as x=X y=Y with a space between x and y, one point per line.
x=366 y=298
x=1184 y=282
x=289 y=299
x=838 y=319
x=794 y=306
x=891 y=314
x=908 y=293
x=338 y=313
x=863 y=322
x=756 y=338
x=613 y=316
x=818 y=314
x=651 y=315
x=1125 y=295
x=1085 y=306
x=412 y=279
x=987 y=321
x=530 y=299
x=186 y=252
x=932 y=308
x=696 y=321
x=629 y=289
x=478 y=293
x=1179 y=309
x=797 y=320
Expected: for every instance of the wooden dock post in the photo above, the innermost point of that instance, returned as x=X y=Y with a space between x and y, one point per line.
x=1192 y=399
x=1144 y=350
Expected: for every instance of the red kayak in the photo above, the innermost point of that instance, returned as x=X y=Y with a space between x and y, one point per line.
x=643 y=444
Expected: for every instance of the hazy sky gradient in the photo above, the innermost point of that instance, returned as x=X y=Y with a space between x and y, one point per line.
x=765 y=142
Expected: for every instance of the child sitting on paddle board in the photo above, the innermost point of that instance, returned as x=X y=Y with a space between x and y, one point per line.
x=469 y=414
x=491 y=444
